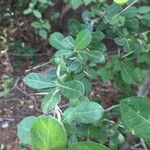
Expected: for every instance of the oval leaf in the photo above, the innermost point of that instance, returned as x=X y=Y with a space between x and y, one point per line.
x=63 y=52
x=88 y=146
x=75 y=66
x=127 y=73
x=36 y=24
x=55 y=40
x=95 y=56
x=86 y=112
x=37 y=81
x=72 y=89
x=74 y=26
x=83 y=40
x=75 y=3
x=37 y=14
x=98 y=35
x=43 y=33
x=48 y=134
x=50 y=101
x=46 y=25
x=89 y=112
x=68 y=43
x=144 y=9
x=120 y=1
x=136 y=116
x=23 y=130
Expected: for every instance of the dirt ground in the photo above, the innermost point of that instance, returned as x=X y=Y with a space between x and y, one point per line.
x=23 y=102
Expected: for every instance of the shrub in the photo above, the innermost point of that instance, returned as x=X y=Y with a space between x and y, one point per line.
x=81 y=57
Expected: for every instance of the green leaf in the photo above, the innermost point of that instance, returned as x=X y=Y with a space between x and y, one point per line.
x=112 y=11
x=83 y=39
x=72 y=140
x=27 y=11
x=74 y=26
x=98 y=35
x=75 y=3
x=38 y=81
x=89 y=112
x=37 y=14
x=105 y=74
x=120 y=41
x=136 y=116
x=48 y=134
x=20 y=147
x=120 y=1
x=46 y=25
x=75 y=66
x=43 y=1
x=96 y=45
x=77 y=101
x=88 y=146
x=51 y=73
x=87 y=84
x=100 y=133
x=128 y=74
x=131 y=12
x=144 y=9
x=95 y=56
x=55 y=16
x=141 y=73
x=55 y=40
x=72 y=89
x=6 y=91
x=87 y=2
x=68 y=43
x=69 y=115
x=119 y=21
x=36 y=24
x=86 y=16
x=50 y=101
x=86 y=112
x=43 y=33
x=23 y=130
x=146 y=17
x=63 y=52
x=33 y=3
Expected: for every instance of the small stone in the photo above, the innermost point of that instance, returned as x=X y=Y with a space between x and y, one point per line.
x=1 y=146
x=5 y=125
x=31 y=106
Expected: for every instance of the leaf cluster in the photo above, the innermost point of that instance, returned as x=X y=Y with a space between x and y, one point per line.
x=81 y=57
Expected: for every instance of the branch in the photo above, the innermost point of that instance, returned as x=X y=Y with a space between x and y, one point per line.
x=112 y=107
x=143 y=144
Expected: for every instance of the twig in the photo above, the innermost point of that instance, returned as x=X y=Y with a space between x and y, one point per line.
x=141 y=92
x=143 y=144
x=58 y=113
x=43 y=93
x=112 y=107
x=8 y=99
x=24 y=55
x=39 y=66
x=25 y=93
x=134 y=147
x=128 y=54
x=112 y=122
x=147 y=92
x=125 y=9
